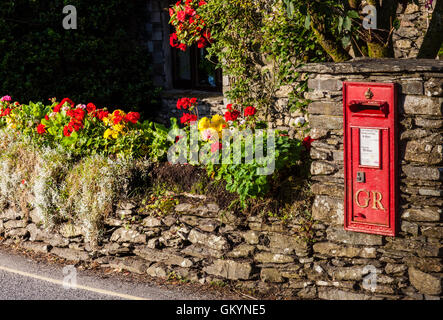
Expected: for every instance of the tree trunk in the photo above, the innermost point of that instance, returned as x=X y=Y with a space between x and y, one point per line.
x=434 y=36
x=380 y=40
x=327 y=40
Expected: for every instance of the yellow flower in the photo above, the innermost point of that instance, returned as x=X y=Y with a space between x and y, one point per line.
x=204 y=124
x=106 y=121
x=218 y=123
x=108 y=132
x=118 y=127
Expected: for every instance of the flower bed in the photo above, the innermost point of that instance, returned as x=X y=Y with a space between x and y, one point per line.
x=78 y=160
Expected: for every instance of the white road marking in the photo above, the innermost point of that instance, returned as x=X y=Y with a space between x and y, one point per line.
x=59 y=282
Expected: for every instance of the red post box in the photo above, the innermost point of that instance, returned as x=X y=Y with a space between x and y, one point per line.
x=370 y=157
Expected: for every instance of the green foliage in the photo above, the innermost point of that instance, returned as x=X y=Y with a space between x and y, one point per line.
x=103 y=59
x=248 y=179
x=259 y=47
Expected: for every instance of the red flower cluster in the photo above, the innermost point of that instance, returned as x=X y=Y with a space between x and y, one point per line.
x=250 y=111
x=100 y=114
x=5 y=112
x=188 y=118
x=307 y=142
x=186 y=103
x=41 y=129
x=232 y=114
x=132 y=117
x=60 y=105
x=190 y=27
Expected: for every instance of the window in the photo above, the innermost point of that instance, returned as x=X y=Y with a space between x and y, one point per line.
x=191 y=70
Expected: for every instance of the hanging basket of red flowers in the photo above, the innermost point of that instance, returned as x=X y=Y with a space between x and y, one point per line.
x=189 y=26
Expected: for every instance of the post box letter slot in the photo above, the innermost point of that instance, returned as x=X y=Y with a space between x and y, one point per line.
x=369 y=108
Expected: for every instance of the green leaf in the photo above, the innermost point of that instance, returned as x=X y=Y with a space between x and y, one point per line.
x=353 y=14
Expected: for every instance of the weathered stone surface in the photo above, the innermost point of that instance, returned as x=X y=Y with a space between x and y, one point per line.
x=428 y=123
x=432 y=232
x=271 y=275
x=337 y=294
x=36 y=246
x=419 y=151
x=326 y=108
x=412 y=87
x=422 y=249
x=395 y=268
x=164 y=256
x=268 y=257
x=328 y=210
x=131 y=264
x=409 y=227
x=70 y=254
x=422 y=173
x=10 y=214
x=353 y=238
x=190 y=220
x=287 y=244
x=242 y=251
x=332 y=249
x=322 y=168
x=422 y=105
x=114 y=222
x=230 y=269
x=127 y=235
x=424 y=264
x=113 y=248
x=326 y=122
x=325 y=84
x=16 y=233
x=69 y=230
x=251 y=236
x=431 y=214
x=333 y=190
x=209 y=240
x=14 y=224
x=35 y=217
x=346 y=273
x=424 y=282
x=201 y=251
x=157 y=270
x=151 y=222
x=208 y=225
x=434 y=87
x=207 y=210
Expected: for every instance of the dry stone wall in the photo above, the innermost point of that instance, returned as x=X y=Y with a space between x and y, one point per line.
x=200 y=242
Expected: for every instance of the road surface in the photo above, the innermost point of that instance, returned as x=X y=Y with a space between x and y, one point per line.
x=23 y=278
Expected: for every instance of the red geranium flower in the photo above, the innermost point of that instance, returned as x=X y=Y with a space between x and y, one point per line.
x=173 y=40
x=67 y=130
x=41 y=129
x=307 y=142
x=60 y=105
x=188 y=118
x=250 y=111
x=90 y=107
x=181 y=16
x=132 y=117
x=216 y=146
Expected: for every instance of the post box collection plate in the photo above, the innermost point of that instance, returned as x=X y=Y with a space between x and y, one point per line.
x=370 y=157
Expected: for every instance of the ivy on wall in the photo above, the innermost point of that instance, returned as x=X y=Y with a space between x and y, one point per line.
x=103 y=60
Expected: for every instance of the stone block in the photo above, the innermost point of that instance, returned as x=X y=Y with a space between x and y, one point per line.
x=230 y=269
x=424 y=282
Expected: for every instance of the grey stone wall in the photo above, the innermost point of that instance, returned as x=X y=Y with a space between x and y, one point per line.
x=409 y=264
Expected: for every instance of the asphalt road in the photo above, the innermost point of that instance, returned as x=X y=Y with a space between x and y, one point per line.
x=24 y=279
